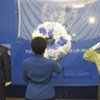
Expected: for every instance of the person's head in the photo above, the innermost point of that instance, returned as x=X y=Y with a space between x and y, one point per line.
x=38 y=45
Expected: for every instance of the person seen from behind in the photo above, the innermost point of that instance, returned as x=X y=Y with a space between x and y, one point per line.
x=38 y=72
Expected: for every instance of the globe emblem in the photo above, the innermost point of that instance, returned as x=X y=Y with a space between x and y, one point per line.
x=59 y=12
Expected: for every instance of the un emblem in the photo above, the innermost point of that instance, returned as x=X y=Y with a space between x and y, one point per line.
x=59 y=12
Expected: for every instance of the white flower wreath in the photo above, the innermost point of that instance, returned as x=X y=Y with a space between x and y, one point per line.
x=59 y=42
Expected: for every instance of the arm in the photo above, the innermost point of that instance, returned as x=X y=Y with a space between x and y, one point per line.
x=57 y=68
x=7 y=64
x=90 y=53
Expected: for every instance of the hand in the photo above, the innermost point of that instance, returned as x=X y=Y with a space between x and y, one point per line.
x=96 y=46
x=7 y=84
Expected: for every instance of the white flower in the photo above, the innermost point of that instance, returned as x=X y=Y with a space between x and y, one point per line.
x=57 y=35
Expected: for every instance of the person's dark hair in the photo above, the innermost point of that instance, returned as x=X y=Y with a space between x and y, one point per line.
x=38 y=45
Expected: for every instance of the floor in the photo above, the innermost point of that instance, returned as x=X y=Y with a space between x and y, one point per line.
x=56 y=99
x=15 y=99
x=82 y=92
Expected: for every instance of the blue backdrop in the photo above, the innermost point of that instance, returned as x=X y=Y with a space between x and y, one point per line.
x=77 y=71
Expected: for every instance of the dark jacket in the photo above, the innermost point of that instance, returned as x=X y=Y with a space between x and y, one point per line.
x=5 y=65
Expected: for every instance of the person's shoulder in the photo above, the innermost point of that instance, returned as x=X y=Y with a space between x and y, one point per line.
x=27 y=60
x=4 y=50
x=1 y=46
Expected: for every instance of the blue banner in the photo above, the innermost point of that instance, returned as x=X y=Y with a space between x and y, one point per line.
x=30 y=14
x=77 y=71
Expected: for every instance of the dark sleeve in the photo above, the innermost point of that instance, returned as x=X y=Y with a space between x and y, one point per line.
x=6 y=64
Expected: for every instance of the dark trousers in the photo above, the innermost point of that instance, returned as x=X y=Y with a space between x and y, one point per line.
x=2 y=91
